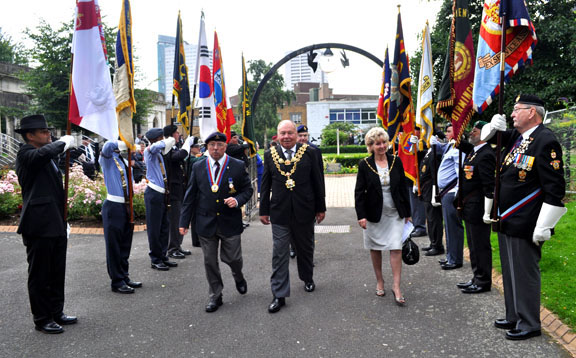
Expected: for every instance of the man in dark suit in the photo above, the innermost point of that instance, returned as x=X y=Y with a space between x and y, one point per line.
x=42 y=224
x=219 y=186
x=477 y=188
x=292 y=175
x=532 y=185
x=174 y=162
x=236 y=149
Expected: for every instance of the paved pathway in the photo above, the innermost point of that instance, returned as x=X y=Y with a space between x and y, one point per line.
x=342 y=318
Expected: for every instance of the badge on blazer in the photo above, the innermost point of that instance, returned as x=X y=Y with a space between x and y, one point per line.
x=553 y=154
x=522 y=175
x=468 y=171
x=231 y=186
x=555 y=164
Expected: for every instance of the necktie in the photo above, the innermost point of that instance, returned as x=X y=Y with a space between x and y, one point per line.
x=88 y=154
x=217 y=170
x=517 y=143
x=288 y=154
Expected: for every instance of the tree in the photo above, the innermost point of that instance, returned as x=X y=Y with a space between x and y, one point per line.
x=329 y=132
x=272 y=97
x=11 y=52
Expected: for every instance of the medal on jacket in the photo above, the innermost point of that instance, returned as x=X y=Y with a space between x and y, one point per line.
x=231 y=186
x=215 y=182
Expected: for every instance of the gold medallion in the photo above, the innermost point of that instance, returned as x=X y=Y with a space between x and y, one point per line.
x=215 y=188
x=287 y=162
x=424 y=168
x=553 y=154
x=522 y=175
x=290 y=183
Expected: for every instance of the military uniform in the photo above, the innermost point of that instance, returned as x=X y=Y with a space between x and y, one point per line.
x=428 y=165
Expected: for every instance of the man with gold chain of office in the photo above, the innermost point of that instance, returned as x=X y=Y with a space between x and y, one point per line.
x=292 y=196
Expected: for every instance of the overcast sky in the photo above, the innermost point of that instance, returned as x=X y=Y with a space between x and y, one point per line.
x=261 y=29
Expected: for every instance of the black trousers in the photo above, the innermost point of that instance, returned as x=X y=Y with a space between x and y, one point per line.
x=46 y=258
x=478 y=237
x=118 y=237
x=175 y=240
x=157 y=225
x=435 y=225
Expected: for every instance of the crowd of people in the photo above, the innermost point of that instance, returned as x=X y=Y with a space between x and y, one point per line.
x=202 y=187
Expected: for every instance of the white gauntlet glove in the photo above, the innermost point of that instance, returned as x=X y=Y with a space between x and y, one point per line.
x=188 y=143
x=434 y=202
x=487 y=210
x=69 y=142
x=169 y=142
x=434 y=140
x=498 y=123
x=122 y=146
x=547 y=219
x=413 y=139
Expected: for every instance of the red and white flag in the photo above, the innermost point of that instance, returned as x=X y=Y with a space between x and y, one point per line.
x=92 y=101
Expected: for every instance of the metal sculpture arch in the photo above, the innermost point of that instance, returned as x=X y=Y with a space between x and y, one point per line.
x=305 y=50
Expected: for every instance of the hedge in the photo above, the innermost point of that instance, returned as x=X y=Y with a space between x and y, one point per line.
x=343 y=149
x=347 y=160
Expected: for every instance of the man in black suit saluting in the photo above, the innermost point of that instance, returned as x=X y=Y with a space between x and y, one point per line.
x=42 y=224
x=218 y=187
x=298 y=197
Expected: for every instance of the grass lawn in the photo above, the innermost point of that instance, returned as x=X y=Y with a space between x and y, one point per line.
x=558 y=267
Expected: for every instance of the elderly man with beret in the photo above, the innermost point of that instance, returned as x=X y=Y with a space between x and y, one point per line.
x=218 y=187
x=532 y=187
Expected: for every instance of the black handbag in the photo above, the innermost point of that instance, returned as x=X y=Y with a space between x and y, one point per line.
x=410 y=252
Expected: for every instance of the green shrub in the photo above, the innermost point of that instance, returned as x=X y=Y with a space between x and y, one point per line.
x=347 y=160
x=343 y=149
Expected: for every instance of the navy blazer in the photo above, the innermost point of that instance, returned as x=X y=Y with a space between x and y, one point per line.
x=209 y=208
x=368 y=191
x=42 y=191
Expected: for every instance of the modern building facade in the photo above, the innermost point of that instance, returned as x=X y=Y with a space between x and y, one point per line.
x=166 y=49
x=297 y=70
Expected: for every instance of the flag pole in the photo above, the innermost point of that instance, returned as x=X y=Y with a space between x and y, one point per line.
x=68 y=132
x=130 y=188
x=494 y=215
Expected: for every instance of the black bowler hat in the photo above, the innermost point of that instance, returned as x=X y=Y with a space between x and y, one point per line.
x=35 y=121
x=154 y=133
x=302 y=129
x=215 y=137
x=530 y=100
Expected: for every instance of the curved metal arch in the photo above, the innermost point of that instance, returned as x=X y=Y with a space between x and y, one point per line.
x=306 y=50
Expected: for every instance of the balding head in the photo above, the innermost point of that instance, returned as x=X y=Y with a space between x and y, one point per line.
x=287 y=134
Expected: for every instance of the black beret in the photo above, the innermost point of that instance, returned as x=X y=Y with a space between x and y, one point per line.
x=233 y=134
x=169 y=130
x=480 y=124
x=530 y=99
x=35 y=121
x=302 y=129
x=154 y=133
x=215 y=137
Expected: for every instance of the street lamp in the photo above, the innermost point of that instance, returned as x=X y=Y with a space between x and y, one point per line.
x=328 y=63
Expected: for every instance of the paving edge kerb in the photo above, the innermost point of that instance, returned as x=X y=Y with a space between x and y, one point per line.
x=550 y=322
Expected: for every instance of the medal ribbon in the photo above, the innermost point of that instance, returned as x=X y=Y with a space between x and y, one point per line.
x=222 y=170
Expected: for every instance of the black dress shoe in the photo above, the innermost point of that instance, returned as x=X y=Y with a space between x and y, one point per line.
x=309 y=286
x=213 y=304
x=434 y=252
x=176 y=254
x=464 y=284
x=476 y=289
x=64 y=320
x=418 y=233
x=50 y=328
x=442 y=261
x=160 y=266
x=427 y=248
x=123 y=289
x=185 y=252
x=504 y=324
x=448 y=266
x=520 y=335
x=242 y=287
x=170 y=263
x=133 y=284
x=276 y=304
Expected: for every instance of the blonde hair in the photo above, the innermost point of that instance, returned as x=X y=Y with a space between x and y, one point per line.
x=374 y=135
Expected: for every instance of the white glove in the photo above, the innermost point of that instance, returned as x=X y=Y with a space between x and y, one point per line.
x=413 y=139
x=169 y=142
x=122 y=146
x=433 y=202
x=82 y=158
x=434 y=140
x=415 y=189
x=452 y=142
x=547 y=219
x=487 y=210
x=188 y=143
x=498 y=123
x=69 y=142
